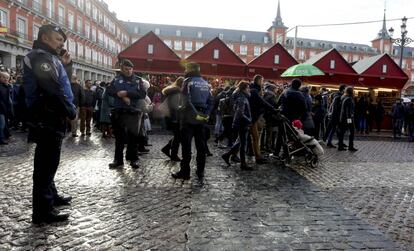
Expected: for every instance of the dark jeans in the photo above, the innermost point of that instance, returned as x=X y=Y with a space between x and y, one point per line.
x=174 y=143
x=343 y=127
x=46 y=162
x=227 y=130
x=188 y=131
x=330 y=130
x=397 y=126
x=281 y=141
x=319 y=126
x=241 y=143
x=126 y=130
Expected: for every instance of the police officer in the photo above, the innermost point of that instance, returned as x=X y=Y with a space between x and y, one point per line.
x=197 y=105
x=50 y=102
x=127 y=90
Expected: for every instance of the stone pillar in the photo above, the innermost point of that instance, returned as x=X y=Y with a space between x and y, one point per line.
x=87 y=75
x=93 y=76
x=9 y=60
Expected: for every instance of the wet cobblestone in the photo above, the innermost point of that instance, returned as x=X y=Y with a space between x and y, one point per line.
x=351 y=202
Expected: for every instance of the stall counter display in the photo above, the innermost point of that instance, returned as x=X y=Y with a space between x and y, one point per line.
x=388 y=99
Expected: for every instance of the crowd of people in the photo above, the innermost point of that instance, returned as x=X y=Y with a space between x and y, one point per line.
x=48 y=101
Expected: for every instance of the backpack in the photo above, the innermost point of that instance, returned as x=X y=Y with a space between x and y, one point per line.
x=226 y=106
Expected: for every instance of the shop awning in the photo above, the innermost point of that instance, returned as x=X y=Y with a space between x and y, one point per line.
x=337 y=70
x=271 y=63
x=216 y=59
x=151 y=54
x=380 y=72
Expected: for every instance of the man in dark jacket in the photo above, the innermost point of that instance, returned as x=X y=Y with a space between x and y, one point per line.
x=50 y=102
x=78 y=97
x=346 y=120
x=334 y=113
x=197 y=106
x=5 y=105
x=258 y=106
x=86 y=109
x=128 y=91
x=398 y=114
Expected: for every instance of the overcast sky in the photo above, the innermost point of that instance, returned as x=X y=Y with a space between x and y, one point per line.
x=258 y=15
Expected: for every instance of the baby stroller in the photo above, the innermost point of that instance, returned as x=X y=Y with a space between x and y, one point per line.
x=296 y=143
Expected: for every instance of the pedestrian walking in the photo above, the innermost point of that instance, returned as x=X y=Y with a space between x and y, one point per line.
x=86 y=110
x=346 y=120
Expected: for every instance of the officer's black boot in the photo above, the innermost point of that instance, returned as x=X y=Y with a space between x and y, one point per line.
x=135 y=164
x=50 y=217
x=181 y=175
x=116 y=164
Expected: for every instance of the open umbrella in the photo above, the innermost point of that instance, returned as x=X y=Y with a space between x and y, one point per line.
x=302 y=70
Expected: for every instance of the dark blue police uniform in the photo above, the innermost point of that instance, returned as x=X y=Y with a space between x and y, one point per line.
x=50 y=102
x=126 y=118
x=198 y=103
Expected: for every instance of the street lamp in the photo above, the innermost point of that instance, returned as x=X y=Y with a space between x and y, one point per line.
x=403 y=41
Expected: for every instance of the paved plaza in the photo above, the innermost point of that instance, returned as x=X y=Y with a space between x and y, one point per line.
x=352 y=201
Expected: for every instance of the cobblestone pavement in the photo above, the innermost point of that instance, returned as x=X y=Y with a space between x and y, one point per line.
x=352 y=201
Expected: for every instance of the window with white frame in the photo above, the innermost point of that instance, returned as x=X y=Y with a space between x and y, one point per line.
x=231 y=46
x=100 y=37
x=157 y=31
x=178 y=45
x=243 y=38
x=199 y=34
x=79 y=25
x=109 y=61
x=21 y=27
x=243 y=49
x=93 y=34
x=80 y=49
x=49 y=8
x=384 y=68
x=188 y=45
x=4 y=18
x=265 y=40
x=88 y=7
x=87 y=53
x=276 y=59
x=36 y=28
x=332 y=64
x=199 y=45
x=216 y=54
x=150 y=49
x=37 y=5
x=87 y=30
x=178 y=33
x=72 y=46
x=404 y=63
x=412 y=77
x=61 y=14
x=301 y=54
x=221 y=36
x=168 y=43
x=256 y=51
x=94 y=13
x=136 y=30
x=70 y=20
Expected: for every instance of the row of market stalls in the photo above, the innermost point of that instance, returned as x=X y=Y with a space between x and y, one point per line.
x=150 y=54
x=377 y=76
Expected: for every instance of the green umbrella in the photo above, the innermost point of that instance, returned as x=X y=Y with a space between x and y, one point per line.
x=302 y=70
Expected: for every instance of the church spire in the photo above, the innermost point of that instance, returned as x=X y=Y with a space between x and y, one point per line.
x=278 y=20
x=383 y=33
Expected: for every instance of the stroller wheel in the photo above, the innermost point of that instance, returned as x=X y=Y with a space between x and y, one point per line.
x=314 y=163
x=308 y=158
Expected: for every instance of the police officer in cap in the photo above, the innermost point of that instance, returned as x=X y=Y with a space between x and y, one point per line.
x=128 y=90
x=197 y=105
x=50 y=102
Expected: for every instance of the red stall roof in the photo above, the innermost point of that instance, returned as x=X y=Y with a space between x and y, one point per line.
x=337 y=70
x=216 y=59
x=380 y=71
x=151 y=54
x=271 y=63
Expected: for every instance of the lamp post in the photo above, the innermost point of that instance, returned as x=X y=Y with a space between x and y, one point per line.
x=403 y=41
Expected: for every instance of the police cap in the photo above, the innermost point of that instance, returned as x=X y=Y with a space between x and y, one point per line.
x=127 y=63
x=48 y=28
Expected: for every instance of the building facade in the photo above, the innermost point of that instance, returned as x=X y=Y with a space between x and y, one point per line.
x=185 y=40
x=95 y=35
